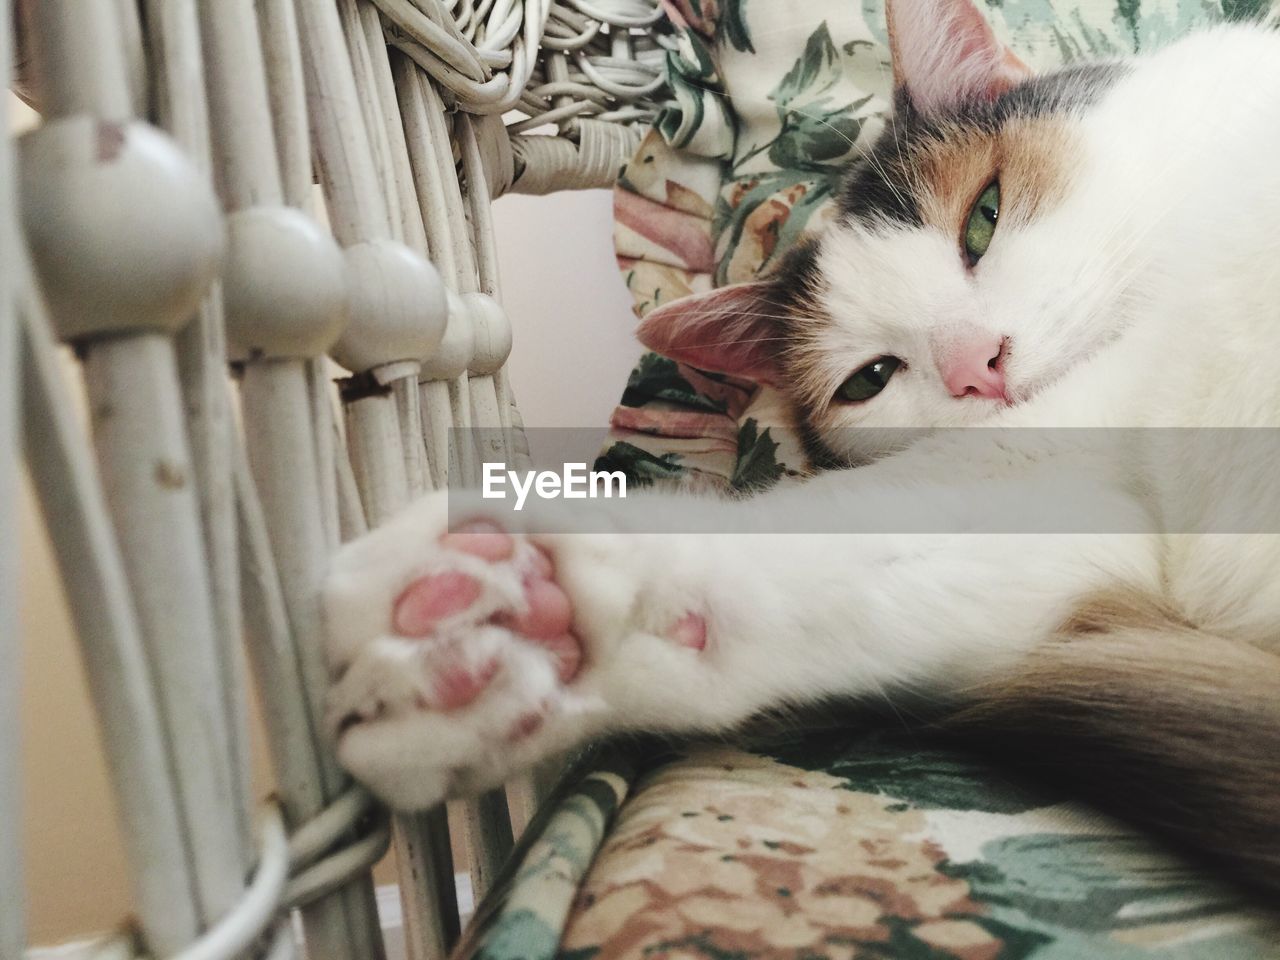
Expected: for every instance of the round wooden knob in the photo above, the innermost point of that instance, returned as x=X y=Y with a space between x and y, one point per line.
x=492 y=332
x=285 y=285
x=397 y=306
x=452 y=355
x=125 y=231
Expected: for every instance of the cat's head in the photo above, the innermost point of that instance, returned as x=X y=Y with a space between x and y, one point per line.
x=967 y=267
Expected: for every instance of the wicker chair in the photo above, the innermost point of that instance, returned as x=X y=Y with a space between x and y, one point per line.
x=165 y=223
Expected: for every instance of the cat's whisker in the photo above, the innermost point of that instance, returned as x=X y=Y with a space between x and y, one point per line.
x=783 y=317
x=730 y=343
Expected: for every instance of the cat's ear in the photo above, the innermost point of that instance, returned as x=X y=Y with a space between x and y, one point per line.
x=735 y=330
x=945 y=53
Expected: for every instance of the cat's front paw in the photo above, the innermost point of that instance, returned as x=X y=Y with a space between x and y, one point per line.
x=453 y=655
x=461 y=657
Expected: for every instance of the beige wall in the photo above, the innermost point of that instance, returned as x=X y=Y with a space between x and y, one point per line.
x=565 y=298
x=75 y=865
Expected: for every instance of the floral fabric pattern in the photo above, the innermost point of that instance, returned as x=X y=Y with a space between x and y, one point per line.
x=846 y=845
x=874 y=846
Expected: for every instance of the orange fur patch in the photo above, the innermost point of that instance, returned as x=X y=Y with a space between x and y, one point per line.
x=1031 y=156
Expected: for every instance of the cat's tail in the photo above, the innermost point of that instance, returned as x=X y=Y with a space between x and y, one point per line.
x=1154 y=720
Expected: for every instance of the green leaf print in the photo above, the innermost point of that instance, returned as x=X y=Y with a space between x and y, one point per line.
x=757 y=466
x=1116 y=896
x=732 y=26
x=816 y=72
x=1245 y=9
x=815 y=135
x=658 y=378
x=521 y=935
x=814 y=130
x=1127 y=11
x=640 y=466
x=913 y=770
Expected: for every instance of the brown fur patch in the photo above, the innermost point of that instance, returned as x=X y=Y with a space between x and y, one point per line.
x=1030 y=155
x=1134 y=708
x=1121 y=610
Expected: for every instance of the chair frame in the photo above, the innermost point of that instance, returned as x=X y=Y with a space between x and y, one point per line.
x=163 y=220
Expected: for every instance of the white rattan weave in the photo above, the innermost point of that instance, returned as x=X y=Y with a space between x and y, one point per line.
x=163 y=218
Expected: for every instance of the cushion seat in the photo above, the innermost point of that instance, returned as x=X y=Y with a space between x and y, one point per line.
x=844 y=845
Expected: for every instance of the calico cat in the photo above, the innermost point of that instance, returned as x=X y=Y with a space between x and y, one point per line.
x=1095 y=248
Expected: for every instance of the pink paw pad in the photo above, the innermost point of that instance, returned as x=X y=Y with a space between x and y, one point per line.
x=547 y=613
x=548 y=619
x=428 y=600
x=690 y=631
x=545 y=620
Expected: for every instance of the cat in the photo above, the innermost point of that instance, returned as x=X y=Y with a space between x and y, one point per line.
x=1092 y=248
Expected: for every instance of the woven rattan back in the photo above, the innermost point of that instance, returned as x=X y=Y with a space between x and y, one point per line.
x=163 y=220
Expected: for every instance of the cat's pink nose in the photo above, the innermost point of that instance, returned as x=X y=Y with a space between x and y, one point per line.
x=974 y=367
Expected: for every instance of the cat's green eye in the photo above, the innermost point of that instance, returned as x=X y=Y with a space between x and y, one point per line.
x=869 y=381
x=981 y=225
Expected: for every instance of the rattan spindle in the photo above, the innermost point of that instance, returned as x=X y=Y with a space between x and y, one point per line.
x=121 y=295
x=286 y=302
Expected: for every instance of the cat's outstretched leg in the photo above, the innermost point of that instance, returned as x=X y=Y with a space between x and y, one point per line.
x=460 y=658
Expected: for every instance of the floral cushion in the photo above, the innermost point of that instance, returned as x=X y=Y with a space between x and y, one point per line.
x=833 y=845
x=847 y=845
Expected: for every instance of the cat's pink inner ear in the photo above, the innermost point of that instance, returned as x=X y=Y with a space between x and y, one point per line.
x=734 y=330
x=944 y=53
